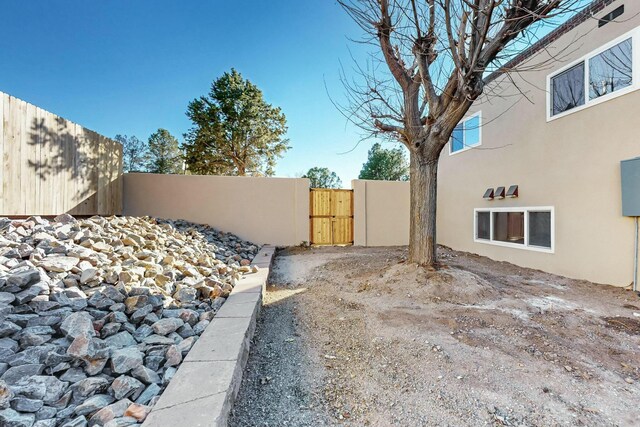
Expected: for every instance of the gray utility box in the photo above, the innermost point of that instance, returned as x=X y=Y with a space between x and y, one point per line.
x=630 y=171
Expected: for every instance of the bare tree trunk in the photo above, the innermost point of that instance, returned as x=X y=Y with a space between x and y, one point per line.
x=422 y=229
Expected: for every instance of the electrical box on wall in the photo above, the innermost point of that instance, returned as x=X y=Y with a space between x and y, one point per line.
x=630 y=172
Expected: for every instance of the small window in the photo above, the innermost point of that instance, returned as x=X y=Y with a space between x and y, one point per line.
x=567 y=90
x=483 y=225
x=508 y=227
x=611 y=70
x=466 y=134
x=540 y=229
x=524 y=228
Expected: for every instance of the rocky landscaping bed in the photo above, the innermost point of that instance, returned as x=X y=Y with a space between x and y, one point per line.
x=97 y=314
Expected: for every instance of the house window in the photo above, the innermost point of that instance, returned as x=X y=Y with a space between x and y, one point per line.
x=610 y=70
x=567 y=89
x=483 y=230
x=466 y=135
x=597 y=77
x=524 y=228
x=508 y=227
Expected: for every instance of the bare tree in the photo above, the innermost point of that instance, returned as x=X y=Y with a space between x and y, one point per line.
x=433 y=62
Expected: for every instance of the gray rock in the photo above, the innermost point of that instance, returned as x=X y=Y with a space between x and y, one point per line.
x=157 y=340
x=167 y=326
x=49 y=388
x=121 y=422
x=88 y=274
x=100 y=301
x=126 y=359
x=84 y=347
x=120 y=340
x=108 y=413
x=89 y=387
x=23 y=404
x=173 y=355
x=58 y=263
x=141 y=313
x=201 y=326
x=81 y=421
x=185 y=345
x=32 y=355
x=153 y=362
x=31 y=292
x=15 y=374
x=76 y=324
x=185 y=294
x=149 y=393
x=50 y=422
x=125 y=386
x=23 y=278
x=146 y=375
x=6 y=298
x=142 y=332
x=110 y=329
x=46 y=412
x=8 y=328
x=11 y=418
x=73 y=375
x=94 y=404
x=6 y=394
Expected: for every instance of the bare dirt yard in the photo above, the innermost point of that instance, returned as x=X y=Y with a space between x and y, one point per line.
x=357 y=336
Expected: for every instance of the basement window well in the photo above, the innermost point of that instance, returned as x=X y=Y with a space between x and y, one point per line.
x=529 y=228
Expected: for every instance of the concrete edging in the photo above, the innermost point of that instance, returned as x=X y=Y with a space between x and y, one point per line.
x=202 y=392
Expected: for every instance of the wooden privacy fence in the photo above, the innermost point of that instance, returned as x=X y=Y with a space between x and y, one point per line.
x=51 y=165
x=331 y=216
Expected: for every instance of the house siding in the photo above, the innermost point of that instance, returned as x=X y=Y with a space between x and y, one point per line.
x=571 y=163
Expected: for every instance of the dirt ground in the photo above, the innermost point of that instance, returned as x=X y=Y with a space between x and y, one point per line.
x=356 y=336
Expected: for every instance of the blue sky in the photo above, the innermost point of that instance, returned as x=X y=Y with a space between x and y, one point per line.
x=131 y=67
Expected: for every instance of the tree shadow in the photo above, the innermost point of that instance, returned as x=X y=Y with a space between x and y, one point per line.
x=79 y=171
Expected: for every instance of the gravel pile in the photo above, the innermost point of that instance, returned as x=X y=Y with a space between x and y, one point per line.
x=96 y=314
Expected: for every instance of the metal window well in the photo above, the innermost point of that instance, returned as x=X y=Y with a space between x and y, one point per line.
x=630 y=172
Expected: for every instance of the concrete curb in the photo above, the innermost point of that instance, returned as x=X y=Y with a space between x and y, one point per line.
x=202 y=392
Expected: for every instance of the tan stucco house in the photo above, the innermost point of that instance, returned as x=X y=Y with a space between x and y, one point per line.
x=532 y=175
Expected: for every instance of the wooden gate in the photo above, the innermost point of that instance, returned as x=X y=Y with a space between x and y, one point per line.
x=331 y=216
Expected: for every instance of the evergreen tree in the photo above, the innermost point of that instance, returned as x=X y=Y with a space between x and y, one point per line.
x=235 y=132
x=386 y=164
x=164 y=153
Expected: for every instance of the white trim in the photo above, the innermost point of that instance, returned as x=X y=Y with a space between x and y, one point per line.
x=525 y=210
x=635 y=79
x=466 y=147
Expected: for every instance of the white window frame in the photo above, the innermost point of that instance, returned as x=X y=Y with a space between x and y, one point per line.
x=526 y=245
x=634 y=35
x=466 y=147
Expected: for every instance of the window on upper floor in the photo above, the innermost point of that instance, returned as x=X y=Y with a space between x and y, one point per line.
x=603 y=74
x=466 y=135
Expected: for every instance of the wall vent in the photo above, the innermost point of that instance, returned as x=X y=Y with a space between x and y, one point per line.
x=610 y=16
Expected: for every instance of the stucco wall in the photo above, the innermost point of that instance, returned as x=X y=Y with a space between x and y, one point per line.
x=381 y=213
x=571 y=163
x=262 y=210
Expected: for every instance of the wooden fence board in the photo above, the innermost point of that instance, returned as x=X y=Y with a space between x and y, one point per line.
x=49 y=165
